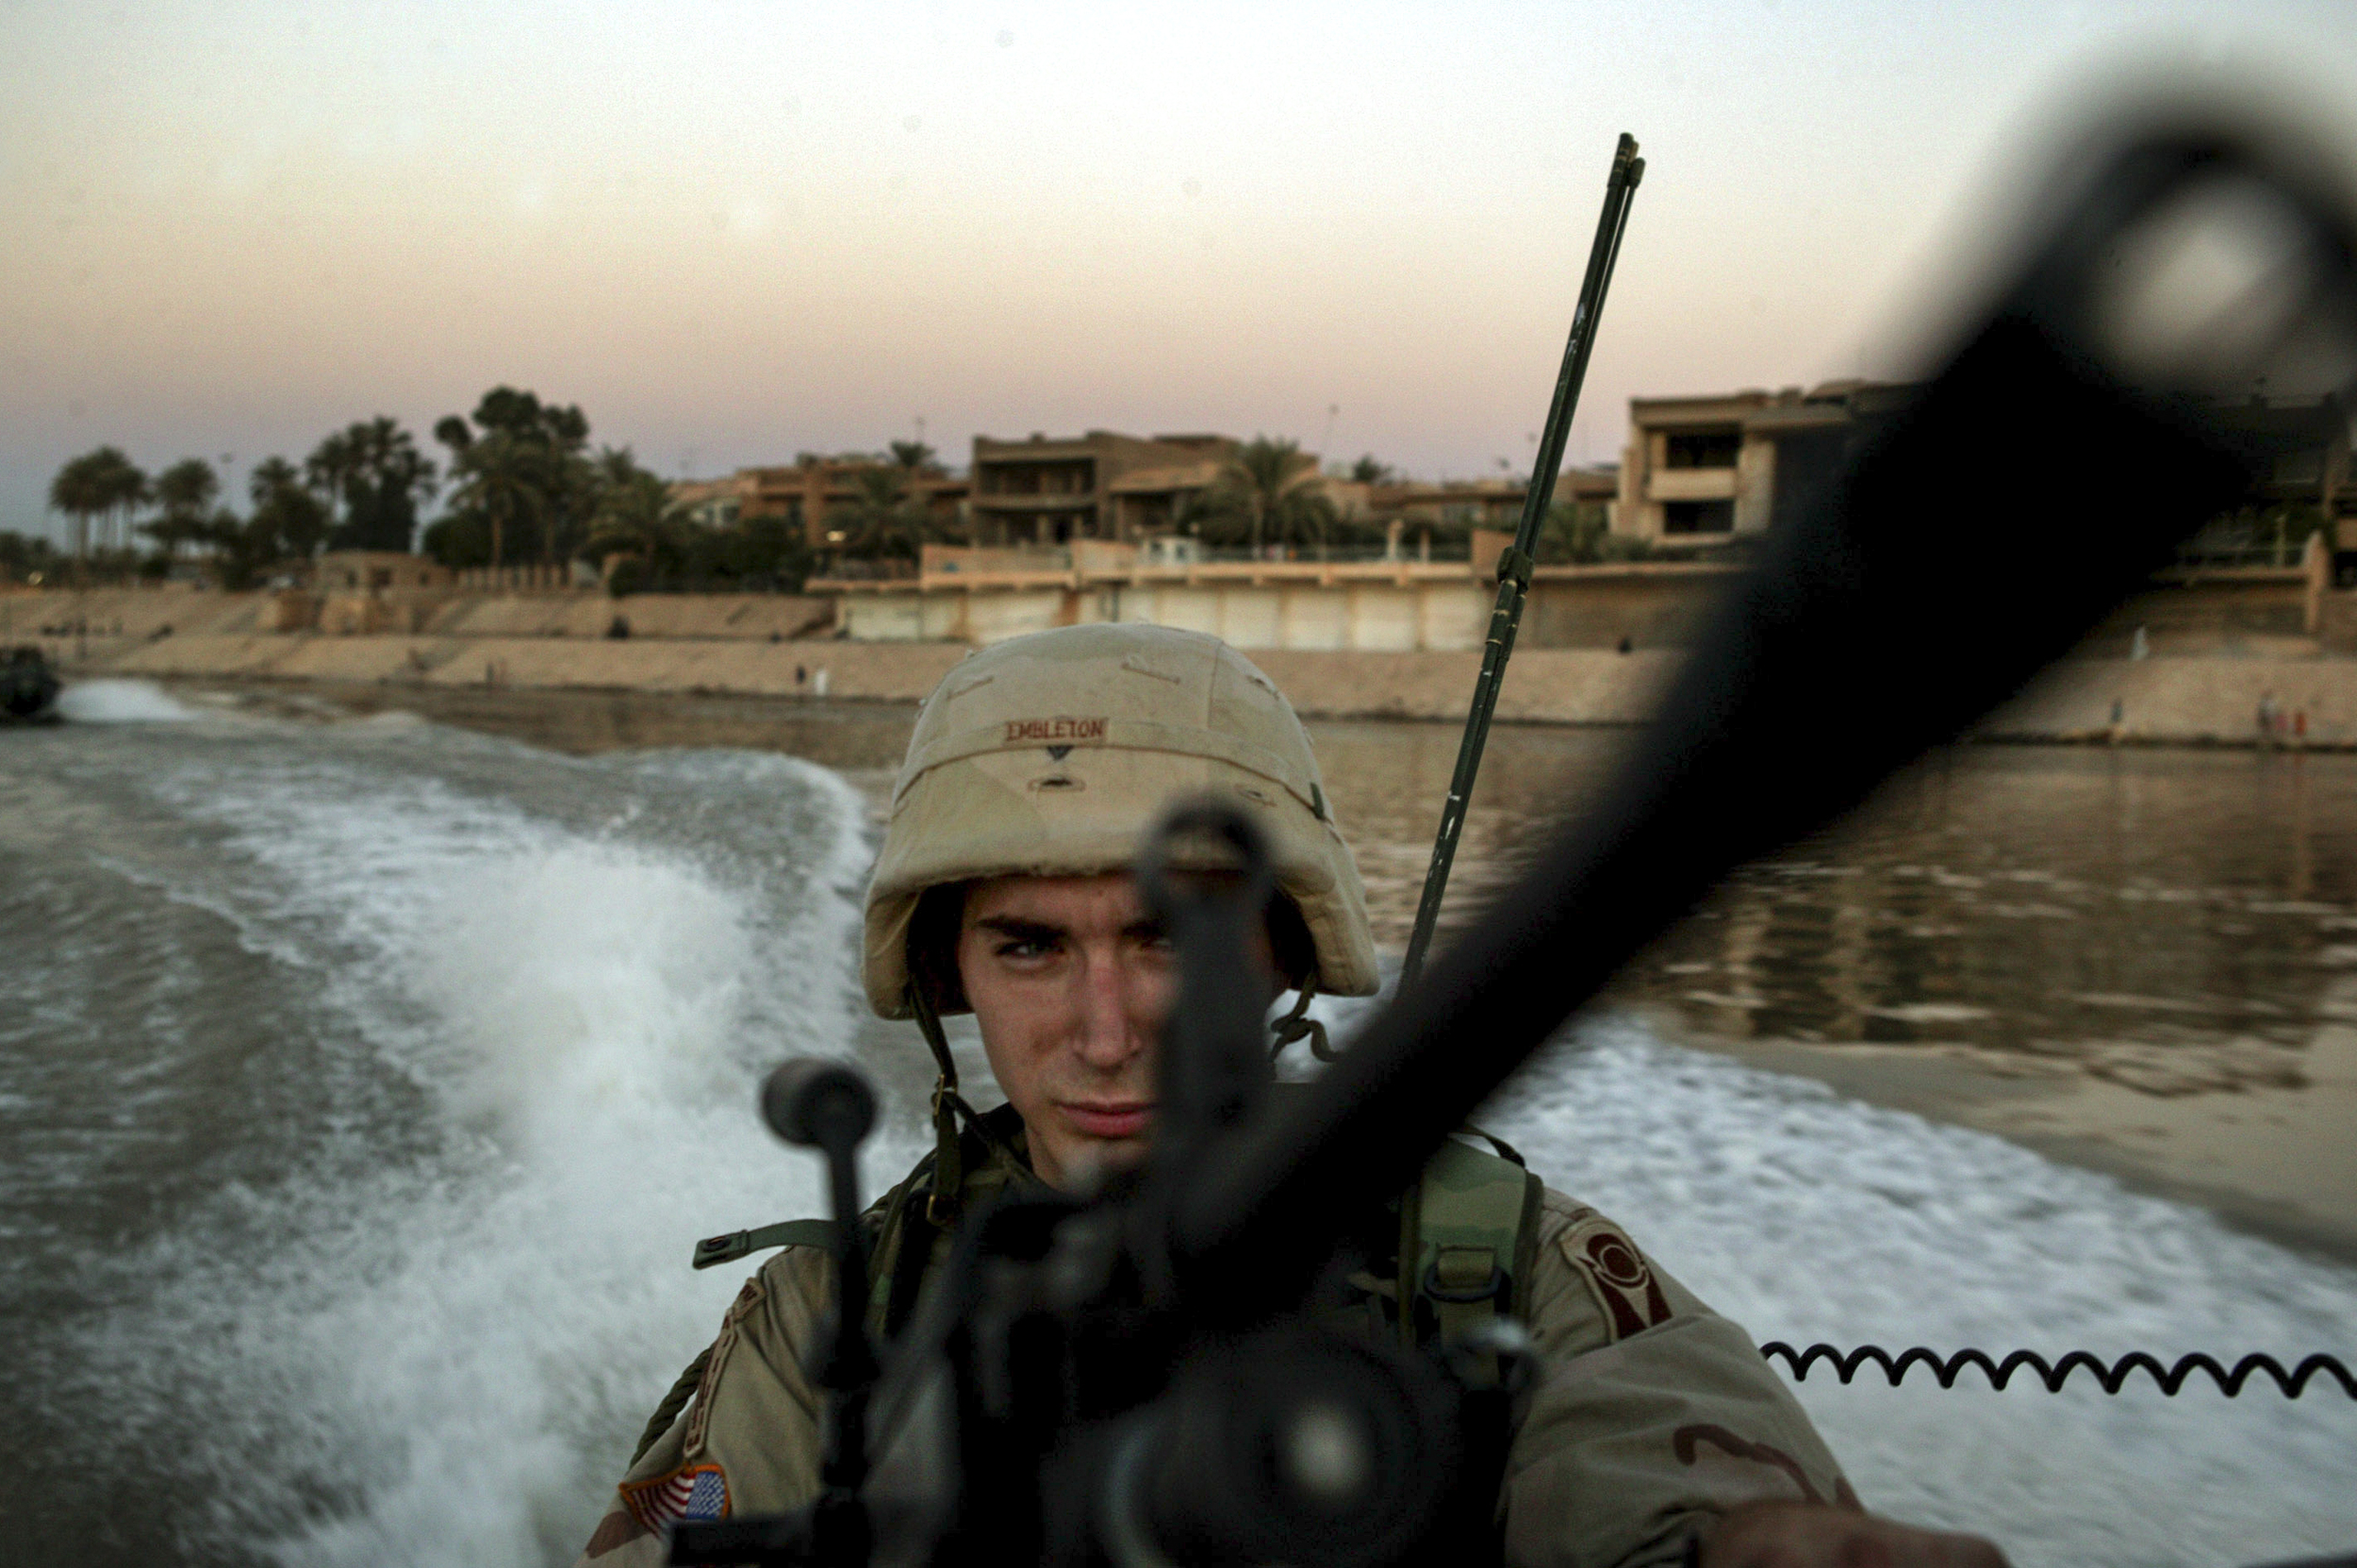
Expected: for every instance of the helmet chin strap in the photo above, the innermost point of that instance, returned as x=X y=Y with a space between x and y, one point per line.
x=941 y=1204
x=1297 y=1024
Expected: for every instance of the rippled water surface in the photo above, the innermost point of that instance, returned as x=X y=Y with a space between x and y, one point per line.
x=364 y=1083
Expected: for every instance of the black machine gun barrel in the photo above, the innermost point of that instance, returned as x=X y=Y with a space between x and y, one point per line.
x=1865 y=634
x=1131 y=1377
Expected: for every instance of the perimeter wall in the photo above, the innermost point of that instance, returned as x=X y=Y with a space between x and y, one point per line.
x=2203 y=682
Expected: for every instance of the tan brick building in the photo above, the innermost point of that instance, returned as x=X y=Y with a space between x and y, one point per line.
x=809 y=490
x=1098 y=486
x=1702 y=471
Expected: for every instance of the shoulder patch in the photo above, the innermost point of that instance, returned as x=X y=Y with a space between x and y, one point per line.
x=1617 y=1274
x=694 y=1494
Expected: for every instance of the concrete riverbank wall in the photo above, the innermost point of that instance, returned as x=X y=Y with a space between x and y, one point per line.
x=724 y=647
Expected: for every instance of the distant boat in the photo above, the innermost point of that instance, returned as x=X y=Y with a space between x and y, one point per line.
x=28 y=688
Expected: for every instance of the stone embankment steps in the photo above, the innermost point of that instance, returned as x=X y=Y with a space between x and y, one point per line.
x=114 y=616
x=721 y=644
x=725 y=617
x=2185 y=700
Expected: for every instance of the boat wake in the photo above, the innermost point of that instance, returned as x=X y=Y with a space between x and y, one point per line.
x=385 y=1076
x=120 y=703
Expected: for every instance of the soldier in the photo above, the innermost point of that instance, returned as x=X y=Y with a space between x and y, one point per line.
x=1653 y=1429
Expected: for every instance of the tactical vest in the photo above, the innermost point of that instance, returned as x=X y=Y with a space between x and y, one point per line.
x=1467 y=1232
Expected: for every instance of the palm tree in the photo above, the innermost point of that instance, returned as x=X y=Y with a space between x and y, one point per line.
x=373 y=470
x=633 y=514
x=1271 y=488
x=331 y=467
x=501 y=477
x=127 y=488
x=883 y=519
x=187 y=488
x=79 y=491
x=523 y=462
x=392 y=479
x=635 y=519
x=269 y=476
x=568 y=480
x=185 y=493
x=284 y=510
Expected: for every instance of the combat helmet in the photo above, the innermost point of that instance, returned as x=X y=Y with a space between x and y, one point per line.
x=1051 y=755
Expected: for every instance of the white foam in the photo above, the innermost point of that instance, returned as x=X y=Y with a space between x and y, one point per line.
x=1809 y=1218
x=460 y=1347
x=121 y=703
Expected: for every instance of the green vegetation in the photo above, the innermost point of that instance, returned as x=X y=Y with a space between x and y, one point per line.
x=527 y=490
x=525 y=487
x=1576 y=533
x=29 y=559
x=887 y=520
x=374 y=475
x=652 y=543
x=1267 y=493
x=360 y=489
x=104 y=488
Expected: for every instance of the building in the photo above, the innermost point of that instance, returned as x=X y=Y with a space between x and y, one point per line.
x=812 y=489
x=1705 y=471
x=714 y=503
x=1098 y=486
x=1151 y=502
x=373 y=570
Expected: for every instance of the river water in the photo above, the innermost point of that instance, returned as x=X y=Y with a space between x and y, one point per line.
x=365 y=1079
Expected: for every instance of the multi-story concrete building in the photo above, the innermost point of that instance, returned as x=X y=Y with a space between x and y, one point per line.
x=1043 y=491
x=1152 y=502
x=1702 y=471
x=811 y=490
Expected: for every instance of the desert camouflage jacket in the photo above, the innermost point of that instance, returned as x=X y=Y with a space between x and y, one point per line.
x=1650 y=1414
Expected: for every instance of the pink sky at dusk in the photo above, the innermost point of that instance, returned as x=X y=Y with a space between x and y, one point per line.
x=732 y=232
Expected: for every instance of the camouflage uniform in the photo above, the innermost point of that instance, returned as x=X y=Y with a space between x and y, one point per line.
x=1047 y=755
x=1651 y=1415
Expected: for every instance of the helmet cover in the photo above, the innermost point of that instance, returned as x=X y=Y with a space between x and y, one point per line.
x=1052 y=754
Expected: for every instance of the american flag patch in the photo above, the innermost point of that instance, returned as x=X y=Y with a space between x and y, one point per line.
x=697 y=1494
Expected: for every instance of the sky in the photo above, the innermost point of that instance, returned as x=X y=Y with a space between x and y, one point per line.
x=732 y=232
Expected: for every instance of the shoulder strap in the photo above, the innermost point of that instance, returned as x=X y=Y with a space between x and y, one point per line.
x=736 y=1244
x=1469 y=1236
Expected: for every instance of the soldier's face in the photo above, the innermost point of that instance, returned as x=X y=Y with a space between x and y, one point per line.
x=1070 y=980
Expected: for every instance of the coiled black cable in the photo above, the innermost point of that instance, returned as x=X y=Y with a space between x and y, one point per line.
x=2054 y=1375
